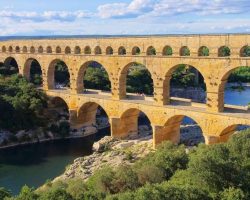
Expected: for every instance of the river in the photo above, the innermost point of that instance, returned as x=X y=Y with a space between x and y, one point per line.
x=34 y=164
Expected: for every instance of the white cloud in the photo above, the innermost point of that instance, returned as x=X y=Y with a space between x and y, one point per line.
x=172 y=7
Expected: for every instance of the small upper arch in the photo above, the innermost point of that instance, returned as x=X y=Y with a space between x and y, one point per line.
x=122 y=51
x=25 y=49
x=184 y=51
x=17 y=49
x=136 y=51
x=40 y=49
x=32 y=49
x=224 y=51
x=109 y=50
x=87 y=50
x=167 y=51
x=3 y=48
x=67 y=50
x=203 y=51
x=98 y=50
x=151 y=51
x=77 y=50
x=58 y=49
x=245 y=51
x=49 y=49
x=10 y=49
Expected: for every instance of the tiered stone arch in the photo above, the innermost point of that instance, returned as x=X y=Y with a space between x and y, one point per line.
x=223 y=79
x=81 y=72
x=168 y=75
x=170 y=131
x=122 y=77
x=27 y=67
x=86 y=113
x=50 y=75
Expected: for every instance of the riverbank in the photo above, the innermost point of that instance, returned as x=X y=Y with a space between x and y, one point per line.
x=107 y=152
x=72 y=135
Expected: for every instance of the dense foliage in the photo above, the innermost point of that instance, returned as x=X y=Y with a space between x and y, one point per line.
x=62 y=75
x=97 y=78
x=216 y=172
x=21 y=104
x=185 y=76
x=241 y=74
x=139 y=80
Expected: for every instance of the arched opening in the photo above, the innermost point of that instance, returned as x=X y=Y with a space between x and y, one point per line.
x=245 y=51
x=122 y=51
x=224 y=51
x=151 y=51
x=184 y=51
x=49 y=49
x=4 y=49
x=136 y=80
x=10 y=49
x=9 y=67
x=40 y=49
x=181 y=129
x=33 y=71
x=167 y=51
x=17 y=49
x=25 y=49
x=58 y=113
x=231 y=130
x=98 y=50
x=92 y=76
x=93 y=119
x=136 y=51
x=32 y=49
x=87 y=50
x=133 y=124
x=187 y=85
x=58 y=49
x=109 y=51
x=203 y=51
x=67 y=50
x=58 y=75
x=77 y=50
x=235 y=89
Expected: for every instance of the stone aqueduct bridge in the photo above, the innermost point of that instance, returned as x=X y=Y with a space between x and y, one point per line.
x=116 y=55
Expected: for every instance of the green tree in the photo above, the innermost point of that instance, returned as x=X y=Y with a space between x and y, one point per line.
x=4 y=193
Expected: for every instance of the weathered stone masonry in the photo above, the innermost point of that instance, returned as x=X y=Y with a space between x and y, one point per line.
x=116 y=55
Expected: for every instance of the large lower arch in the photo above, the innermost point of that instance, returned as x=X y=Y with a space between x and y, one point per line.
x=99 y=79
x=33 y=71
x=143 y=86
x=91 y=114
x=180 y=77
x=132 y=122
x=58 y=109
x=58 y=82
x=230 y=130
x=178 y=129
x=237 y=84
x=11 y=66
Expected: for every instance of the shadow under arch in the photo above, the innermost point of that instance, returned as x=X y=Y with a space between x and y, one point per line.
x=31 y=68
x=123 y=77
x=11 y=66
x=80 y=86
x=92 y=116
x=51 y=74
x=181 y=129
x=223 y=84
x=133 y=122
x=58 y=108
x=198 y=81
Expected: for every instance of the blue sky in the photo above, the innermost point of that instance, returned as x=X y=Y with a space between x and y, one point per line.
x=115 y=17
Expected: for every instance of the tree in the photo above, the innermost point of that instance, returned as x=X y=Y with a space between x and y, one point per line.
x=4 y=193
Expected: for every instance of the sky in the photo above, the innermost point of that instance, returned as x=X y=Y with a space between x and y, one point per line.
x=123 y=17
